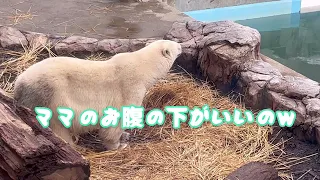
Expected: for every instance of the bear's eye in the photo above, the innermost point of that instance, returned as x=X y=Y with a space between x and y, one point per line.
x=166 y=53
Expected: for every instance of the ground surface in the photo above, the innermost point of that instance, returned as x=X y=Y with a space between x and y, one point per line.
x=304 y=171
x=309 y=170
x=97 y=19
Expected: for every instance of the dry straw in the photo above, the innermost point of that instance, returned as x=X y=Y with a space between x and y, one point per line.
x=19 y=16
x=208 y=152
x=161 y=152
x=13 y=63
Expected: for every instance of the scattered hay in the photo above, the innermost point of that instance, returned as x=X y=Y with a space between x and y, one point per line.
x=21 y=16
x=13 y=63
x=208 y=152
x=93 y=9
x=97 y=57
x=161 y=152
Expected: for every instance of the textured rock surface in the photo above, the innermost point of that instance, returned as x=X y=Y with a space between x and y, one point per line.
x=76 y=44
x=225 y=53
x=61 y=45
x=11 y=38
x=114 y=46
x=228 y=54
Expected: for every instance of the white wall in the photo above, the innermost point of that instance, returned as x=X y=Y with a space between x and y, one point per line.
x=310 y=6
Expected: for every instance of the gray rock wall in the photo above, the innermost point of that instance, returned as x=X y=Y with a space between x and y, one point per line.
x=228 y=55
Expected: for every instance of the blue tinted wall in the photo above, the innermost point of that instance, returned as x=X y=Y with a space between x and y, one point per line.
x=246 y=11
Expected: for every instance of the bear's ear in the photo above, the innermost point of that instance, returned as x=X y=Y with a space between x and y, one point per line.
x=166 y=53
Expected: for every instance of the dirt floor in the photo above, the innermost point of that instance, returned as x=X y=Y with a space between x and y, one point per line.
x=308 y=170
x=97 y=19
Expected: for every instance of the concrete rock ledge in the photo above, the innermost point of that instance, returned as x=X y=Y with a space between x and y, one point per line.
x=11 y=38
x=225 y=53
x=228 y=55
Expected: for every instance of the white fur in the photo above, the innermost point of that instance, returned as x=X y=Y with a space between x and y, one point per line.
x=82 y=84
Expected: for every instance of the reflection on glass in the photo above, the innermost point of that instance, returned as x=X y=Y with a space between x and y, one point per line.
x=293 y=40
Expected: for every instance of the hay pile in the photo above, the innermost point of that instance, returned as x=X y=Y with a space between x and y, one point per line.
x=161 y=152
x=13 y=63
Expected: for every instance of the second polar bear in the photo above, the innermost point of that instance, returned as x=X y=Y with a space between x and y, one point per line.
x=81 y=84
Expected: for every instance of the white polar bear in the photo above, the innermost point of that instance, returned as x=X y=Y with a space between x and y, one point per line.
x=82 y=84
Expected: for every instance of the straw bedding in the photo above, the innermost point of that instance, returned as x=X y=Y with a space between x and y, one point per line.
x=160 y=152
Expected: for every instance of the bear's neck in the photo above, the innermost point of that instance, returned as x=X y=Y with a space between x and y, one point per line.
x=144 y=66
x=154 y=71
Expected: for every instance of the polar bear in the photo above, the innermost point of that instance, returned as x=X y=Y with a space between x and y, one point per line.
x=81 y=84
